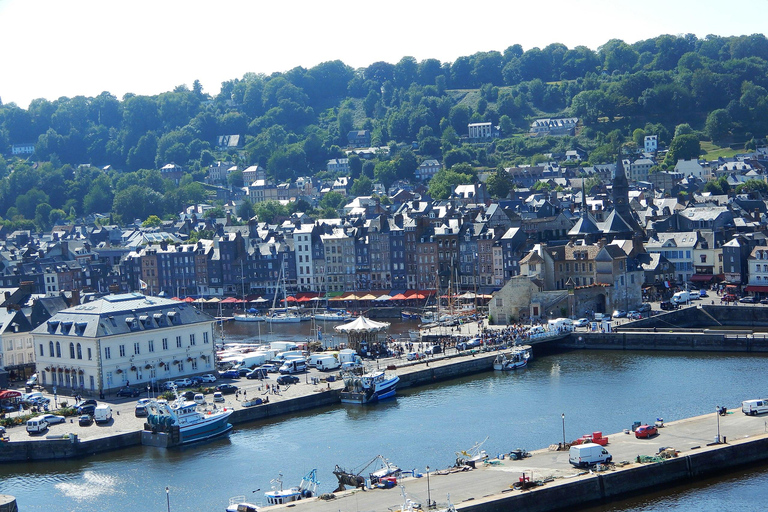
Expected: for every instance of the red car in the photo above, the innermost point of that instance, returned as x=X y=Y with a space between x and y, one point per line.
x=646 y=431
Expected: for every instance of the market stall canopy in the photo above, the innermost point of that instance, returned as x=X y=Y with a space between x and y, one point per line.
x=362 y=324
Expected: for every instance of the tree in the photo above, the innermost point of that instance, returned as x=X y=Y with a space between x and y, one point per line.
x=332 y=200
x=683 y=147
x=152 y=221
x=245 y=210
x=137 y=202
x=269 y=211
x=752 y=185
x=363 y=186
x=442 y=184
x=718 y=124
x=499 y=183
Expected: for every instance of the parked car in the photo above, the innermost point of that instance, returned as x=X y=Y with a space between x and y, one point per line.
x=208 y=378
x=644 y=307
x=581 y=322
x=129 y=392
x=287 y=379
x=413 y=356
x=89 y=409
x=188 y=395
x=729 y=297
x=748 y=300
x=271 y=368
x=227 y=389
x=141 y=411
x=257 y=373
x=633 y=315
x=646 y=431
x=53 y=419
x=668 y=306
x=619 y=313
x=703 y=293
x=183 y=383
x=218 y=396
x=32 y=381
x=85 y=419
x=764 y=301
x=433 y=349
x=196 y=381
x=242 y=372
x=229 y=374
x=199 y=399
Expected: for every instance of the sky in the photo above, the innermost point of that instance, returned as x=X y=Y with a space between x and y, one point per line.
x=54 y=48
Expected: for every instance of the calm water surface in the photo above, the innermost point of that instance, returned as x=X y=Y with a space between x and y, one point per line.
x=424 y=426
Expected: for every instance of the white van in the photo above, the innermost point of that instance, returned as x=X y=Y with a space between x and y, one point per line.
x=753 y=407
x=582 y=455
x=314 y=358
x=102 y=413
x=36 y=425
x=327 y=363
x=681 y=297
x=293 y=366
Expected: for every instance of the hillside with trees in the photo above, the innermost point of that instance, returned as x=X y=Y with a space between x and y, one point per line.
x=681 y=88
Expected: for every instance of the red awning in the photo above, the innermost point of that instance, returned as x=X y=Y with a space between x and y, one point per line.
x=702 y=278
x=229 y=300
x=759 y=289
x=9 y=394
x=399 y=296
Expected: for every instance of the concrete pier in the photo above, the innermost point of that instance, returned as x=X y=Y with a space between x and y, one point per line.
x=489 y=487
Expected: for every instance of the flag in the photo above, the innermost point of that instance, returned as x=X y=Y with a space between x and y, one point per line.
x=142 y=285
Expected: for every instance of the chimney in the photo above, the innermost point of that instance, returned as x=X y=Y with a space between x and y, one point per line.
x=573 y=207
x=114 y=289
x=75 y=298
x=601 y=243
x=757 y=215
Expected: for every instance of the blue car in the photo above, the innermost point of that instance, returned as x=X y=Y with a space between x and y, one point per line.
x=230 y=374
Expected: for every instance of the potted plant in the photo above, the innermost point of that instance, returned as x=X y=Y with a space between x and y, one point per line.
x=119 y=371
x=133 y=368
x=66 y=370
x=80 y=372
x=47 y=368
x=147 y=366
x=162 y=364
x=189 y=359
x=176 y=361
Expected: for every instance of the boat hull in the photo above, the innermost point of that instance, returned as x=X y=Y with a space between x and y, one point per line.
x=382 y=391
x=283 y=319
x=248 y=318
x=205 y=431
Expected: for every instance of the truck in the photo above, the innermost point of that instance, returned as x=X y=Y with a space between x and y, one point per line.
x=314 y=358
x=283 y=346
x=289 y=354
x=583 y=455
x=754 y=407
x=250 y=360
x=102 y=413
x=293 y=366
x=327 y=363
x=561 y=324
x=681 y=297
x=348 y=355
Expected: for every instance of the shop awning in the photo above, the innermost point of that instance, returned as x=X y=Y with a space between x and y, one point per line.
x=758 y=289
x=702 y=278
x=4 y=395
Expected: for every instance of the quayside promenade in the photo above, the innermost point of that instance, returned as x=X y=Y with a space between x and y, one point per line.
x=488 y=488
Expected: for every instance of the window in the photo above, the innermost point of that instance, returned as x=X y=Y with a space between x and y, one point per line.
x=50 y=348
x=107 y=353
x=42 y=352
x=79 y=351
x=194 y=364
x=58 y=349
x=136 y=348
x=191 y=339
x=165 y=343
x=703 y=258
x=178 y=341
x=205 y=337
x=151 y=345
x=89 y=354
x=122 y=350
x=71 y=350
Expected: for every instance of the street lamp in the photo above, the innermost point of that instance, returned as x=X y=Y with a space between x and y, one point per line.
x=168 y=498
x=148 y=389
x=717 y=413
x=429 y=493
x=563 y=416
x=55 y=399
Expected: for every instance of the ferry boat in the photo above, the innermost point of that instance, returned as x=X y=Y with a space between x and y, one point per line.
x=183 y=416
x=369 y=388
x=514 y=360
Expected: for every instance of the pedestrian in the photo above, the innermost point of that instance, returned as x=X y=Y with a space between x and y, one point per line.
x=245 y=394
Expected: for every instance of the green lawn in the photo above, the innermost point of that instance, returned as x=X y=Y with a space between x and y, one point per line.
x=713 y=152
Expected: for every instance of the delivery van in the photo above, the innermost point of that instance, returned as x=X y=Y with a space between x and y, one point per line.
x=583 y=455
x=36 y=425
x=327 y=363
x=681 y=297
x=754 y=407
x=293 y=366
x=102 y=413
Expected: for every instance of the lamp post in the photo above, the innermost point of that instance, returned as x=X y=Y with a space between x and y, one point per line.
x=148 y=389
x=168 y=498
x=55 y=399
x=429 y=493
x=563 y=416
x=717 y=413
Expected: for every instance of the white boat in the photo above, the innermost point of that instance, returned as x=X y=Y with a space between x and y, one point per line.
x=283 y=317
x=248 y=317
x=184 y=415
x=238 y=504
x=332 y=315
x=306 y=489
x=370 y=387
x=514 y=360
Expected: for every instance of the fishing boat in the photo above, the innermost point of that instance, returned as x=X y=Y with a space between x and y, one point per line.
x=306 y=489
x=410 y=315
x=472 y=456
x=183 y=418
x=514 y=360
x=368 y=388
x=238 y=504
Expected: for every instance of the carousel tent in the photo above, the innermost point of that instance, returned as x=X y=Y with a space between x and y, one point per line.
x=361 y=331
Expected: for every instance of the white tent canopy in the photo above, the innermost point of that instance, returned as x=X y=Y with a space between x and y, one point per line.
x=362 y=324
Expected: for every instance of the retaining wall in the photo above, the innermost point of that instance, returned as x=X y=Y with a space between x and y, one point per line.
x=697 y=342
x=65 y=448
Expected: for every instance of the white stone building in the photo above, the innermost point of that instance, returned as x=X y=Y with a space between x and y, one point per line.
x=123 y=339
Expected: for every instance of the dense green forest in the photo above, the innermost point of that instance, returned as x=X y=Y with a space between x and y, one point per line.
x=713 y=88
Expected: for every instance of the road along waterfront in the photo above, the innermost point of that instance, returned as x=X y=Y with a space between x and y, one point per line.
x=424 y=426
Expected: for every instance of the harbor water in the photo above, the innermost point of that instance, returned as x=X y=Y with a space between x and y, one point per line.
x=425 y=426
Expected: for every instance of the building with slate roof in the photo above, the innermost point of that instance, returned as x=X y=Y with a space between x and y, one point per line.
x=125 y=339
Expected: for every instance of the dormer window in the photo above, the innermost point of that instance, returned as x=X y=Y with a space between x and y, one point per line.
x=52 y=326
